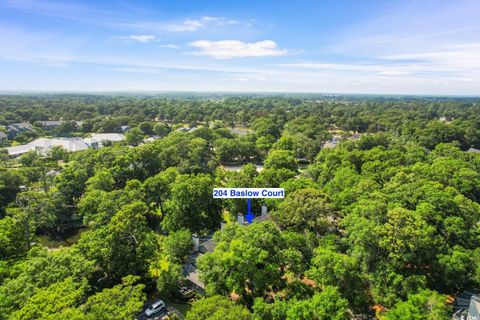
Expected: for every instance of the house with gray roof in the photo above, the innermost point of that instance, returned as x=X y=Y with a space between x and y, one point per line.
x=16 y=128
x=51 y=124
x=467 y=306
x=3 y=137
x=201 y=245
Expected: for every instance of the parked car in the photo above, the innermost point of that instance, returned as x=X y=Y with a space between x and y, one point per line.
x=155 y=308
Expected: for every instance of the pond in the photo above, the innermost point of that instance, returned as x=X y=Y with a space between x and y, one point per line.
x=64 y=239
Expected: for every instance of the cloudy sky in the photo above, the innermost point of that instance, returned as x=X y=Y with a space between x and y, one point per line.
x=400 y=47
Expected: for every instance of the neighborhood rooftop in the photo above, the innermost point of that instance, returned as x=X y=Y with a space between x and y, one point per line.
x=43 y=145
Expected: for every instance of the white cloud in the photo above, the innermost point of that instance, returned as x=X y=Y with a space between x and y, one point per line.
x=393 y=73
x=196 y=24
x=170 y=46
x=385 y=69
x=228 y=49
x=142 y=37
x=187 y=25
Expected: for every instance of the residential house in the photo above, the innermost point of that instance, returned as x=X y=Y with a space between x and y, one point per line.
x=445 y=119
x=43 y=145
x=332 y=143
x=190 y=270
x=16 y=128
x=183 y=129
x=467 y=306
x=125 y=128
x=207 y=245
x=337 y=138
x=19 y=150
x=187 y=129
x=53 y=124
x=239 y=131
x=3 y=137
x=97 y=140
x=50 y=124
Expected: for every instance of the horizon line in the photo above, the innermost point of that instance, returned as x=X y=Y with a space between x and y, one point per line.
x=269 y=92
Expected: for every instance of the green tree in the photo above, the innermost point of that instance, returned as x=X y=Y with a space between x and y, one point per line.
x=39 y=270
x=47 y=302
x=134 y=137
x=146 y=127
x=178 y=245
x=327 y=305
x=35 y=212
x=130 y=240
x=305 y=209
x=273 y=178
x=10 y=182
x=161 y=129
x=102 y=180
x=266 y=127
x=331 y=268
x=12 y=238
x=217 y=308
x=281 y=159
x=71 y=181
x=425 y=305
x=123 y=301
x=407 y=237
x=168 y=277
x=157 y=189
x=122 y=247
x=191 y=205
x=246 y=260
x=57 y=153
x=437 y=132
x=66 y=127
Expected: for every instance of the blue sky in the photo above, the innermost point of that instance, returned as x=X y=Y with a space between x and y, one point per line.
x=397 y=47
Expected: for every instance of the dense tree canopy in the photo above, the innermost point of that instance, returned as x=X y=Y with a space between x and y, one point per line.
x=385 y=214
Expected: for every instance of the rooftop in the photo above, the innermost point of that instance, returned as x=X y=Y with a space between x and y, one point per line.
x=467 y=306
x=20 y=126
x=45 y=144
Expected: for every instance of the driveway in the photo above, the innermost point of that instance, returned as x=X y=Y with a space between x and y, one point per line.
x=169 y=308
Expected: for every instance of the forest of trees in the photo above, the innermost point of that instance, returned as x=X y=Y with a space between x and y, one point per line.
x=385 y=225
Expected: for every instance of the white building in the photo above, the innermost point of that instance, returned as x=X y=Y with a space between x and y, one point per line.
x=97 y=139
x=43 y=145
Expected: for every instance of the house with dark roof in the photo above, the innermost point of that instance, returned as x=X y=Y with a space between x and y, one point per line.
x=16 y=128
x=205 y=245
x=3 y=137
x=190 y=271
